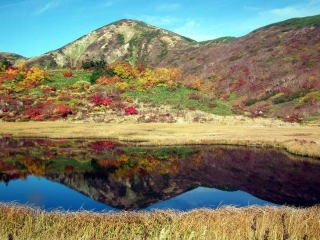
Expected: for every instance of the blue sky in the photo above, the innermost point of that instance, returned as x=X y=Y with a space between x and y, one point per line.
x=32 y=27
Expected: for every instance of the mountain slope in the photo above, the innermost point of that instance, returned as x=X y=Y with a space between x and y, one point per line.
x=125 y=40
x=273 y=71
x=11 y=57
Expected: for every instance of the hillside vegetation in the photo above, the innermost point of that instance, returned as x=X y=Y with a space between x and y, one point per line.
x=113 y=93
x=271 y=72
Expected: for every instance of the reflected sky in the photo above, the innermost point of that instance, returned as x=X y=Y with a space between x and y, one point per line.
x=40 y=192
x=48 y=195
x=203 y=197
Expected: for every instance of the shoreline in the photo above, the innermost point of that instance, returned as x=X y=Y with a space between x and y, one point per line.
x=295 y=139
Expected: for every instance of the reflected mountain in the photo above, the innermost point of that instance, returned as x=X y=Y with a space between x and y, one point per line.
x=129 y=178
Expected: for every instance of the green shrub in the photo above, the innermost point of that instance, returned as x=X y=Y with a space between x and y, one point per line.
x=4 y=63
x=251 y=102
x=288 y=98
x=121 y=39
x=99 y=73
x=94 y=64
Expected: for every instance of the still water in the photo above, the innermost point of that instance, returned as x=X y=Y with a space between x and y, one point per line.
x=103 y=176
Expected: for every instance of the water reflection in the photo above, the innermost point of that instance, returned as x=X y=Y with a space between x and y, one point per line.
x=93 y=174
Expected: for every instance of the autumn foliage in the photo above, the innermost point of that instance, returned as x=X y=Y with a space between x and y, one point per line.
x=131 y=111
x=99 y=99
x=125 y=76
x=68 y=74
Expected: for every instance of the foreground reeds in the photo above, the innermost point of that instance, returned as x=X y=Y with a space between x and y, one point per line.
x=294 y=138
x=265 y=223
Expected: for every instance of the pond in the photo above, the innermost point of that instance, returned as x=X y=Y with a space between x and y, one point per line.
x=103 y=175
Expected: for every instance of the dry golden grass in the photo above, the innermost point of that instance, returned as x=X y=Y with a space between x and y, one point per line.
x=265 y=223
x=296 y=139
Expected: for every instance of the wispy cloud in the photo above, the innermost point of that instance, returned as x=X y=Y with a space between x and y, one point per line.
x=190 y=28
x=251 y=8
x=168 y=7
x=187 y=26
x=49 y=5
x=285 y=12
x=10 y=5
x=156 y=20
x=310 y=7
x=107 y=4
x=265 y=17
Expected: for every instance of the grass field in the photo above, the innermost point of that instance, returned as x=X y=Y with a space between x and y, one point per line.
x=250 y=223
x=294 y=138
x=181 y=98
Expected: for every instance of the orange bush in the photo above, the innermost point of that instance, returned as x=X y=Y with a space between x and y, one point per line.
x=108 y=80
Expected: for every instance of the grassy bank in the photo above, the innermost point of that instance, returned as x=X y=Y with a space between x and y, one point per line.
x=265 y=223
x=294 y=138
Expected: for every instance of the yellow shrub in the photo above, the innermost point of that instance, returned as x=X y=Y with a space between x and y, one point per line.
x=124 y=71
x=122 y=85
x=196 y=84
x=35 y=74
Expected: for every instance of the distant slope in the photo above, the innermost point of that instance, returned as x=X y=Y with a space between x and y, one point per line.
x=219 y=40
x=298 y=22
x=273 y=71
x=12 y=57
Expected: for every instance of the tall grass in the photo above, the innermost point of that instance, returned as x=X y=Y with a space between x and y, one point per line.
x=265 y=223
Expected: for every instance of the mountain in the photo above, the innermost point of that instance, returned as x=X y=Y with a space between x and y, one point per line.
x=124 y=40
x=273 y=71
x=12 y=57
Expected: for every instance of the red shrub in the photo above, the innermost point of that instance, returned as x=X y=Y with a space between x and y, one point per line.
x=310 y=84
x=69 y=168
x=101 y=145
x=305 y=58
x=12 y=68
x=212 y=105
x=67 y=74
x=38 y=118
x=32 y=112
x=246 y=71
x=194 y=96
x=98 y=99
x=8 y=76
x=62 y=109
x=293 y=118
x=131 y=110
x=5 y=108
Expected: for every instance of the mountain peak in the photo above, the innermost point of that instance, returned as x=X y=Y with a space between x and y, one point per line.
x=124 y=40
x=124 y=20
